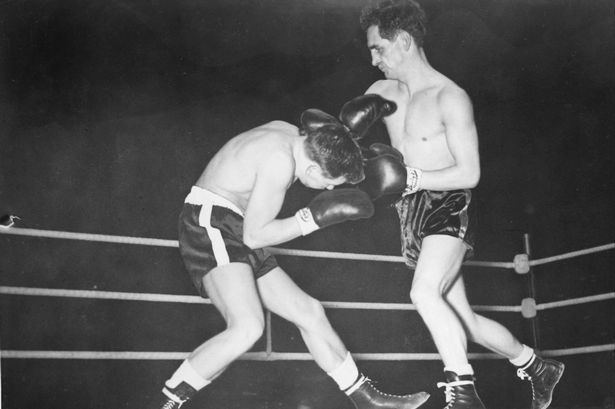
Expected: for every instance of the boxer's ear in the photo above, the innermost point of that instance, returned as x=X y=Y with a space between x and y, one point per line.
x=406 y=39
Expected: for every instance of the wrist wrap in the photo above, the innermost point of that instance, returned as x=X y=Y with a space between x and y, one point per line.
x=413 y=180
x=306 y=221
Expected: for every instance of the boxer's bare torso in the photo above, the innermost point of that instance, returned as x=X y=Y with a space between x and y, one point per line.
x=233 y=170
x=417 y=129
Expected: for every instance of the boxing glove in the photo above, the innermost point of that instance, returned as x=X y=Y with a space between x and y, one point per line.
x=313 y=119
x=360 y=113
x=332 y=207
x=386 y=173
x=377 y=149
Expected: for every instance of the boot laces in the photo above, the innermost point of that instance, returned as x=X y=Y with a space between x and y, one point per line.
x=373 y=385
x=170 y=405
x=449 y=392
x=525 y=376
x=172 y=400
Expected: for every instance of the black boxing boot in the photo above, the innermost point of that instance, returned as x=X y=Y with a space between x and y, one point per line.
x=173 y=398
x=543 y=375
x=460 y=392
x=364 y=395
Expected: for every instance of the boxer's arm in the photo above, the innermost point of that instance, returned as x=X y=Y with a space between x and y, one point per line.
x=261 y=228
x=462 y=139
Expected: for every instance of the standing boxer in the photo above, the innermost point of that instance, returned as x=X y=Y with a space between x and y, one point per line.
x=434 y=165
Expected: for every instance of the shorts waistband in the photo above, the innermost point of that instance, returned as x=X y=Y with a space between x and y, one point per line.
x=200 y=196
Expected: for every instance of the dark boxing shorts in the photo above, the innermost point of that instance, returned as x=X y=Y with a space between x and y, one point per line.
x=211 y=234
x=428 y=212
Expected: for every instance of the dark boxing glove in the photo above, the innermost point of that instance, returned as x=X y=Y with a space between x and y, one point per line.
x=377 y=149
x=332 y=207
x=360 y=113
x=313 y=119
x=386 y=173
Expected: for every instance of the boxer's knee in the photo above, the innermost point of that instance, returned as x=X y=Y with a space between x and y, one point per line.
x=245 y=332
x=310 y=313
x=423 y=294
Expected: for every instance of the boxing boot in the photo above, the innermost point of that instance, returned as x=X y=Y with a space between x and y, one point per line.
x=460 y=392
x=543 y=375
x=364 y=395
x=173 y=398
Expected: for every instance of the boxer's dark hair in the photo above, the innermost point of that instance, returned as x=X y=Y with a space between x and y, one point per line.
x=334 y=149
x=391 y=16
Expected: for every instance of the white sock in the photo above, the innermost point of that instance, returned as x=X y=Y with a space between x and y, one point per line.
x=524 y=357
x=460 y=369
x=346 y=374
x=186 y=373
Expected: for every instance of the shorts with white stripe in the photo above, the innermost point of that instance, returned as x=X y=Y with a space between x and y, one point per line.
x=211 y=236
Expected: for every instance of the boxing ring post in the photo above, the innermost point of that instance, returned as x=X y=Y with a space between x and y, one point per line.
x=531 y=290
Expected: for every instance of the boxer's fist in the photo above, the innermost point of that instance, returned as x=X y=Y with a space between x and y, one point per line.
x=384 y=175
x=334 y=206
x=360 y=113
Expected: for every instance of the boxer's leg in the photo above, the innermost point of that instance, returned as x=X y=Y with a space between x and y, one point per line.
x=232 y=290
x=437 y=270
x=284 y=298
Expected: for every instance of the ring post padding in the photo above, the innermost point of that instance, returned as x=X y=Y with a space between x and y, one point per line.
x=521 y=262
x=528 y=308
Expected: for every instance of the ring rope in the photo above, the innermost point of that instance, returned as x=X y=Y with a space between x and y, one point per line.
x=576 y=301
x=193 y=299
x=53 y=234
x=274 y=356
x=373 y=257
x=572 y=254
x=103 y=295
x=270 y=355
x=280 y=251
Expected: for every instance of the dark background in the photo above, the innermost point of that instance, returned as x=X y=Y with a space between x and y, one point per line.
x=109 y=111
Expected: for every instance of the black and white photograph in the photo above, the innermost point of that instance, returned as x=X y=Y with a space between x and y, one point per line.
x=307 y=204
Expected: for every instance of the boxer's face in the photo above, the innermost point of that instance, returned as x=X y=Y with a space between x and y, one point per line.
x=386 y=54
